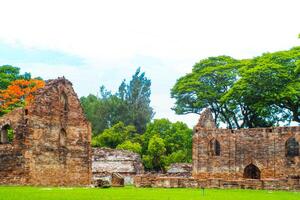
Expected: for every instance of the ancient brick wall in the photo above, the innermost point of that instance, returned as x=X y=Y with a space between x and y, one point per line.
x=156 y=181
x=237 y=154
x=12 y=161
x=51 y=140
x=106 y=161
x=180 y=169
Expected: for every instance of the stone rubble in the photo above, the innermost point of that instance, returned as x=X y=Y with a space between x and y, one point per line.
x=106 y=161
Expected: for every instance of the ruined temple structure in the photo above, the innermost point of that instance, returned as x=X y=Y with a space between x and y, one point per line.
x=51 y=140
x=254 y=153
x=254 y=158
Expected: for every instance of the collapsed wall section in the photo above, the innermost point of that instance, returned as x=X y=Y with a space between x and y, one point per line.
x=107 y=161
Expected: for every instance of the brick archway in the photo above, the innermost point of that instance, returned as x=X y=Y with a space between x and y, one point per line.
x=6 y=134
x=251 y=172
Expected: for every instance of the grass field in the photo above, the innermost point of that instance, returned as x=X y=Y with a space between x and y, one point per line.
x=131 y=193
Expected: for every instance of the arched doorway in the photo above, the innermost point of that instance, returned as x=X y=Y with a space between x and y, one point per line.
x=6 y=134
x=292 y=147
x=251 y=172
x=214 y=147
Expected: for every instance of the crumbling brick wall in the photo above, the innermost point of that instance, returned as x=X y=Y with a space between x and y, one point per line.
x=106 y=161
x=264 y=149
x=51 y=144
x=184 y=182
x=13 y=168
x=180 y=169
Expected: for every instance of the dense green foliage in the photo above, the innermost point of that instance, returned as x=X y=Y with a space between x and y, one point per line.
x=10 y=134
x=258 y=92
x=37 y=193
x=130 y=105
x=131 y=146
x=163 y=142
x=136 y=95
x=9 y=73
x=114 y=136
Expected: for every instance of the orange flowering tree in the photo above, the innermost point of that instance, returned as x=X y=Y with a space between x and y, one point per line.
x=19 y=93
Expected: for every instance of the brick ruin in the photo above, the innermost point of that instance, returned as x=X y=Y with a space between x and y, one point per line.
x=257 y=158
x=108 y=162
x=180 y=169
x=255 y=153
x=51 y=146
x=51 y=143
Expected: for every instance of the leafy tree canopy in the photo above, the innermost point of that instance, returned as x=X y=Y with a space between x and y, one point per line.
x=177 y=140
x=9 y=73
x=19 y=93
x=130 y=105
x=114 y=136
x=131 y=146
x=257 y=92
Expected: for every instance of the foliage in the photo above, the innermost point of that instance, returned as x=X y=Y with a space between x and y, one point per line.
x=162 y=144
x=136 y=94
x=9 y=73
x=155 y=153
x=173 y=140
x=104 y=111
x=131 y=105
x=210 y=79
x=18 y=94
x=114 y=136
x=270 y=87
x=258 y=92
x=131 y=146
x=176 y=157
x=10 y=134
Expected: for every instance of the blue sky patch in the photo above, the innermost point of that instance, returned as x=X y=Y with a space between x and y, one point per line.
x=10 y=54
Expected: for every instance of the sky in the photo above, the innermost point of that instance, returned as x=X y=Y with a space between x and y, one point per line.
x=95 y=43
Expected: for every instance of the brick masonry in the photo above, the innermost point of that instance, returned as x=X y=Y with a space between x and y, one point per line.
x=106 y=161
x=51 y=144
x=264 y=148
x=183 y=182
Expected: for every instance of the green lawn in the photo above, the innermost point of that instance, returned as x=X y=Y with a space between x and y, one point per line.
x=131 y=193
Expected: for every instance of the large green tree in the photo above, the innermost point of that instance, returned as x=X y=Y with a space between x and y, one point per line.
x=130 y=105
x=154 y=159
x=136 y=95
x=177 y=143
x=258 y=92
x=269 y=85
x=210 y=79
x=104 y=111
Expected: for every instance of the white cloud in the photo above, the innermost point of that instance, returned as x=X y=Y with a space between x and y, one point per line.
x=110 y=35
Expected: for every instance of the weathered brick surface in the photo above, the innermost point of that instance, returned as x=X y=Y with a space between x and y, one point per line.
x=106 y=161
x=183 y=182
x=51 y=143
x=180 y=169
x=117 y=180
x=262 y=147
